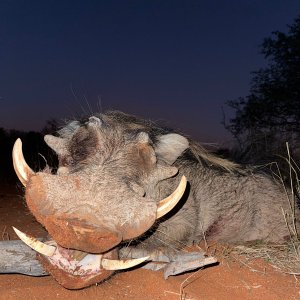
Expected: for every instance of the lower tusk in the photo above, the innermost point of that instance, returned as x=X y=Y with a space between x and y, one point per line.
x=22 y=170
x=35 y=244
x=113 y=265
x=167 y=204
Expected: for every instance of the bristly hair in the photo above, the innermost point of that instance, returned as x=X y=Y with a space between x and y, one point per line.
x=195 y=152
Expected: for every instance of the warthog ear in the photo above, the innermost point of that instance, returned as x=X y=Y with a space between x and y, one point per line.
x=170 y=146
x=57 y=144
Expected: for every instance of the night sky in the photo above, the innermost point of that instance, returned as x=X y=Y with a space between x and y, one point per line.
x=172 y=61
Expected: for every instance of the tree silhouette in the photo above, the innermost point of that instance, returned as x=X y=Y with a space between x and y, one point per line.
x=51 y=126
x=37 y=154
x=271 y=111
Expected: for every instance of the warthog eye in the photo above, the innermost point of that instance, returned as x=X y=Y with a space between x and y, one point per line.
x=137 y=189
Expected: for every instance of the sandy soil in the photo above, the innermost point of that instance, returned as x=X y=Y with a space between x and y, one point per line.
x=228 y=280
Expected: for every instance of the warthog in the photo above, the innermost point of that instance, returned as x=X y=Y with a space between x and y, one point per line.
x=121 y=181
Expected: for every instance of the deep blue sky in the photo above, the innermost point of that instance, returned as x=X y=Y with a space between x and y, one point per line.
x=177 y=61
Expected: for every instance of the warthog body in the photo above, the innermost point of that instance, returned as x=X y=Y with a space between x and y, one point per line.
x=224 y=201
x=115 y=167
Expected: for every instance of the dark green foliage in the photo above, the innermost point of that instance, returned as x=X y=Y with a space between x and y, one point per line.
x=35 y=150
x=270 y=114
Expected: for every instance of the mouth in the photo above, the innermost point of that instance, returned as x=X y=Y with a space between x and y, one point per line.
x=75 y=269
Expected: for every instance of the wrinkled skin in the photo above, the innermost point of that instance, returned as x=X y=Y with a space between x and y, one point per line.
x=113 y=168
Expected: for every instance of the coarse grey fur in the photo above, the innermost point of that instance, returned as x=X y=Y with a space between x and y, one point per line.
x=223 y=201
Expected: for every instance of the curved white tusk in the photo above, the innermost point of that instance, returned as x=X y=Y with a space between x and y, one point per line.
x=22 y=170
x=35 y=244
x=113 y=265
x=167 y=204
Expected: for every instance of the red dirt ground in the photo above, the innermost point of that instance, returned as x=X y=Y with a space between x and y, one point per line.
x=228 y=280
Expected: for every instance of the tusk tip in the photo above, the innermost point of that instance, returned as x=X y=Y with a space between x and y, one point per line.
x=23 y=171
x=114 y=265
x=35 y=244
x=18 y=232
x=167 y=204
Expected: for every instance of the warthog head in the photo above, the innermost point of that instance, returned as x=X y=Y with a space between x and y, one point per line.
x=104 y=192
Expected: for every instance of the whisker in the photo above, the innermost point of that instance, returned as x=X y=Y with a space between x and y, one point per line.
x=76 y=100
x=88 y=105
x=99 y=104
x=165 y=243
x=177 y=241
x=71 y=112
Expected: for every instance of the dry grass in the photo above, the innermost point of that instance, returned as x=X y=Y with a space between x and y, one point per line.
x=283 y=257
x=4 y=234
